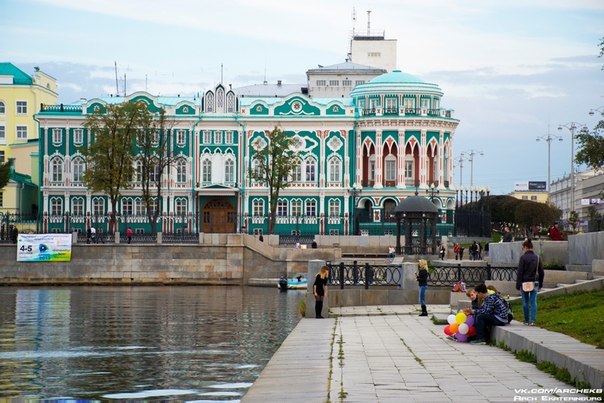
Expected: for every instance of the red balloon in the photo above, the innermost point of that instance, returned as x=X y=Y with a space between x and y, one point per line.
x=472 y=331
x=448 y=330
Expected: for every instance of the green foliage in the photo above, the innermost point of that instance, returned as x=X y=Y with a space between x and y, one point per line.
x=525 y=356
x=578 y=315
x=573 y=219
x=274 y=165
x=109 y=157
x=507 y=210
x=591 y=147
x=5 y=170
x=302 y=307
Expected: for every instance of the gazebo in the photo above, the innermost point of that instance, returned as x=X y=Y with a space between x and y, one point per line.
x=418 y=216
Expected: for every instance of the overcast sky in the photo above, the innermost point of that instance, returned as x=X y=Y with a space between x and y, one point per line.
x=510 y=69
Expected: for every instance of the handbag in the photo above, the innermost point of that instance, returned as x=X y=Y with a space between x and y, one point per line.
x=528 y=286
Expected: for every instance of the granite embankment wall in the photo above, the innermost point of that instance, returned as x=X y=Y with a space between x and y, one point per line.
x=218 y=259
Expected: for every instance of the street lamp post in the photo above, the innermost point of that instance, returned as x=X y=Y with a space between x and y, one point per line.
x=572 y=126
x=549 y=138
x=355 y=191
x=462 y=156
x=599 y=110
x=432 y=190
x=471 y=154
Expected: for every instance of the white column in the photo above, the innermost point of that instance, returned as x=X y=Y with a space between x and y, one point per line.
x=423 y=174
x=441 y=159
x=400 y=160
x=379 y=156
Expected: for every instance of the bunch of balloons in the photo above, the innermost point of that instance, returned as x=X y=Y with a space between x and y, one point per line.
x=461 y=326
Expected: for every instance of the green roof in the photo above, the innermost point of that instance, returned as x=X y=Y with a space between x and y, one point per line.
x=396 y=77
x=19 y=76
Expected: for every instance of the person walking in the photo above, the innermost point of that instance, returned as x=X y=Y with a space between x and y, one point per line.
x=422 y=280
x=529 y=280
x=129 y=234
x=319 y=290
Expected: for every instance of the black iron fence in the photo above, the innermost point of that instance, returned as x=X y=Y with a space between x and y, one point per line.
x=364 y=275
x=389 y=275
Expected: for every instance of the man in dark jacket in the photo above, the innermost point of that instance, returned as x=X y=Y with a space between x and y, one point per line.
x=530 y=270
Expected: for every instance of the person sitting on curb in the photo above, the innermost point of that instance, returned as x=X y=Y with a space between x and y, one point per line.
x=493 y=312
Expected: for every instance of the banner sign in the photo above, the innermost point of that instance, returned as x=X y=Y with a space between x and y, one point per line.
x=44 y=248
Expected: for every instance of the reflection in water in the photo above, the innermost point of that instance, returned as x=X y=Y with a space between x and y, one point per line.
x=201 y=343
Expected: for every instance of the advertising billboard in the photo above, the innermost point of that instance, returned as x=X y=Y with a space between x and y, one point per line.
x=44 y=248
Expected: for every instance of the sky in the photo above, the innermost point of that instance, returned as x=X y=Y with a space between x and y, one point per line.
x=511 y=70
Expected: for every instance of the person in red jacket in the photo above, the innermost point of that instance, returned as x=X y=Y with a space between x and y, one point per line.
x=555 y=234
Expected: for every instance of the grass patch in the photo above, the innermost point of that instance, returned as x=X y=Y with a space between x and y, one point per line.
x=579 y=315
x=526 y=356
x=437 y=321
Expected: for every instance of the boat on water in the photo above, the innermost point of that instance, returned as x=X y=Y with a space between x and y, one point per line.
x=297 y=283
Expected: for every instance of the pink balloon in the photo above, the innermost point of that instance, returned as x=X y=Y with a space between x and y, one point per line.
x=470 y=320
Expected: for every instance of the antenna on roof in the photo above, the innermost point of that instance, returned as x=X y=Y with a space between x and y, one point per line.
x=354 y=22
x=368 y=22
x=265 y=81
x=146 y=88
x=117 y=88
x=124 y=85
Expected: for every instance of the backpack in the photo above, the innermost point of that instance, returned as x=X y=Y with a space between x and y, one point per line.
x=508 y=307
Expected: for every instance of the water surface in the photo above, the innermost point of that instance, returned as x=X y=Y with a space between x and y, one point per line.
x=188 y=343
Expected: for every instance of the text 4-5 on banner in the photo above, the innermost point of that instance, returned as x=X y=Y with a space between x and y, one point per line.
x=44 y=248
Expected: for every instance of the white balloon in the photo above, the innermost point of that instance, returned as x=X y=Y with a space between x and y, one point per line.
x=451 y=319
x=463 y=328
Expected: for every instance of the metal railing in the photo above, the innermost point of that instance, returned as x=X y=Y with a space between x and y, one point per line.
x=445 y=276
x=364 y=275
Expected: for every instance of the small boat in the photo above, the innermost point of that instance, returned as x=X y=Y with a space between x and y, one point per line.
x=296 y=283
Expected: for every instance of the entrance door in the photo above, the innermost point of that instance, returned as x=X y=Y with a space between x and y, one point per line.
x=218 y=216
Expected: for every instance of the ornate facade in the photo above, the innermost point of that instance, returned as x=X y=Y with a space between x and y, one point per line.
x=359 y=157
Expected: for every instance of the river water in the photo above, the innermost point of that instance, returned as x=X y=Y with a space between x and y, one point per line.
x=189 y=343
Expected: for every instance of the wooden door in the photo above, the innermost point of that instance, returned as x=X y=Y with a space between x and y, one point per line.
x=218 y=216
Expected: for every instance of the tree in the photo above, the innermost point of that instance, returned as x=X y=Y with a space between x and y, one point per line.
x=5 y=170
x=591 y=147
x=109 y=156
x=273 y=164
x=530 y=213
x=153 y=142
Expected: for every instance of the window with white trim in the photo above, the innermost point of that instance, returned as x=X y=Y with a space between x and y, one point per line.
x=311 y=208
x=77 y=206
x=78 y=167
x=229 y=171
x=390 y=168
x=2 y=134
x=409 y=103
x=21 y=107
x=228 y=137
x=334 y=83
x=230 y=102
x=98 y=206
x=139 y=207
x=357 y=82
x=153 y=206
x=311 y=169
x=296 y=207
x=425 y=103
x=258 y=207
x=56 y=167
x=180 y=206
x=154 y=172
x=181 y=137
x=181 y=170
x=21 y=132
x=206 y=170
x=321 y=83
x=207 y=137
x=334 y=208
x=56 y=206
x=347 y=83
x=409 y=168
x=78 y=136
x=282 y=207
x=391 y=103
x=138 y=171
x=218 y=137
x=297 y=172
x=127 y=207
x=57 y=136
x=335 y=169
x=371 y=168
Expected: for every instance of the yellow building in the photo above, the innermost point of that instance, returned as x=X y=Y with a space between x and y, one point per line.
x=21 y=95
x=536 y=196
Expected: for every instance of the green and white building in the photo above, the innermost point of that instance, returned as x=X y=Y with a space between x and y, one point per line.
x=360 y=156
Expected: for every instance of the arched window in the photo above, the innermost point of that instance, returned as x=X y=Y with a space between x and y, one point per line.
x=181 y=170
x=209 y=101
x=98 y=206
x=138 y=171
x=311 y=208
x=127 y=208
x=230 y=100
x=297 y=172
x=258 y=207
x=296 y=207
x=229 y=171
x=335 y=169
x=180 y=206
x=78 y=167
x=139 y=207
x=2 y=108
x=57 y=169
x=77 y=206
x=334 y=208
x=56 y=206
x=219 y=99
x=206 y=170
x=282 y=207
x=311 y=169
x=371 y=168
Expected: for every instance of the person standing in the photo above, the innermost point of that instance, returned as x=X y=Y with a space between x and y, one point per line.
x=507 y=235
x=530 y=270
x=555 y=234
x=93 y=234
x=319 y=290
x=129 y=234
x=422 y=280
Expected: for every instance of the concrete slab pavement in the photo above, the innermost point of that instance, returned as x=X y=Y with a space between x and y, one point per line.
x=389 y=354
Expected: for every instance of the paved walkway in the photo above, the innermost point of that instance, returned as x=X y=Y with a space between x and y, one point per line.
x=389 y=354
